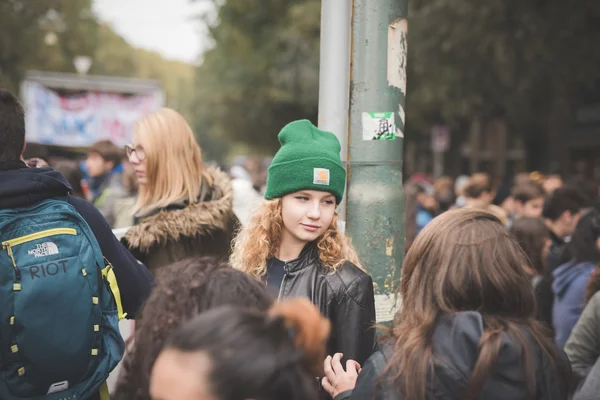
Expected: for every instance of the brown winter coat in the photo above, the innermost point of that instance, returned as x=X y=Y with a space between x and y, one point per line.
x=182 y=230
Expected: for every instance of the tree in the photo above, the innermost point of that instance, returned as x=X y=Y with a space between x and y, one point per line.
x=262 y=71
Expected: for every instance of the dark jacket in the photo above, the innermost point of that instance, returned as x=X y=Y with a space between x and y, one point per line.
x=181 y=230
x=21 y=186
x=345 y=297
x=455 y=347
x=568 y=286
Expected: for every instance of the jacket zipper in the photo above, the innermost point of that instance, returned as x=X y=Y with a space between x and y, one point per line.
x=9 y=244
x=285 y=270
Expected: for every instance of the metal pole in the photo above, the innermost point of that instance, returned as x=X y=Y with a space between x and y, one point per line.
x=334 y=74
x=375 y=209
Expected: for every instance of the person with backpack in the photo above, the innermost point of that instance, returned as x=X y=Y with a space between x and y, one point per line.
x=467 y=327
x=294 y=245
x=235 y=354
x=65 y=280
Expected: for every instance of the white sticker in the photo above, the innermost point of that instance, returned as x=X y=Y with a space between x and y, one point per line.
x=386 y=306
x=379 y=126
x=321 y=176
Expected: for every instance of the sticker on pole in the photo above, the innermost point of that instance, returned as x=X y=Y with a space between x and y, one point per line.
x=378 y=126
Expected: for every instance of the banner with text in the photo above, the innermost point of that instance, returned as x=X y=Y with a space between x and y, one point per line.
x=79 y=121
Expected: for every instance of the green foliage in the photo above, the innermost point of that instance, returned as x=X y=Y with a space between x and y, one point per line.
x=262 y=71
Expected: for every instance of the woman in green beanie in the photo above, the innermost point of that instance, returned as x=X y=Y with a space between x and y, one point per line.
x=293 y=244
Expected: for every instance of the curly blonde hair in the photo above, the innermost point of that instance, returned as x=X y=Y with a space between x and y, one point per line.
x=260 y=240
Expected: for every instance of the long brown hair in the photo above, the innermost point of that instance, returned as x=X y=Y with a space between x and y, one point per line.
x=532 y=234
x=464 y=260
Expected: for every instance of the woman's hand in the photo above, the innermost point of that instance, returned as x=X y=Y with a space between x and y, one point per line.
x=337 y=380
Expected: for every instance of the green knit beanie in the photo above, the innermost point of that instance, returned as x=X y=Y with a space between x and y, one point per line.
x=309 y=159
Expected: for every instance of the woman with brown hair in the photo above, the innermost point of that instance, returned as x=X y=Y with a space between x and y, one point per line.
x=467 y=327
x=184 y=290
x=235 y=354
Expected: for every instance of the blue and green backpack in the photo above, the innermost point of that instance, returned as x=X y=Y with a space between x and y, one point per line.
x=59 y=306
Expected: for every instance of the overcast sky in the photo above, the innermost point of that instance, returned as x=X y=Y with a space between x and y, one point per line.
x=166 y=26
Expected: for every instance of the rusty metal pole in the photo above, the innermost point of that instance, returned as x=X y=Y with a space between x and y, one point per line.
x=375 y=208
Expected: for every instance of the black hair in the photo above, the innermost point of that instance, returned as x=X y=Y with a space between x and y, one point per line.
x=183 y=290
x=563 y=199
x=583 y=246
x=255 y=355
x=532 y=234
x=12 y=127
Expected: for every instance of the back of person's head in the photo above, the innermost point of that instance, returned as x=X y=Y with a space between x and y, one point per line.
x=236 y=354
x=183 y=290
x=72 y=173
x=12 y=127
x=477 y=185
x=173 y=160
x=588 y=187
x=564 y=199
x=533 y=237
x=465 y=260
x=583 y=246
x=527 y=191
x=109 y=151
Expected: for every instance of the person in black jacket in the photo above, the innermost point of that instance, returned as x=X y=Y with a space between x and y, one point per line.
x=467 y=328
x=292 y=241
x=21 y=186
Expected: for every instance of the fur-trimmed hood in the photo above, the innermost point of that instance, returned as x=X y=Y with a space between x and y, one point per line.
x=199 y=219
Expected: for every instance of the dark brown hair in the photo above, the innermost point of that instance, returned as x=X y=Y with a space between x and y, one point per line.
x=464 y=260
x=108 y=151
x=183 y=290
x=72 y=173
x=532 y=234
x=528 y=191
x=477 y=185
x=254 y=355
x=12 y=126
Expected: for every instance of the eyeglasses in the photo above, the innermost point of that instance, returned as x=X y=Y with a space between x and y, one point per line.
x=138 y=150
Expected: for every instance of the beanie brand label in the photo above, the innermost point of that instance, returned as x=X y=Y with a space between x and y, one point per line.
x=321 y=176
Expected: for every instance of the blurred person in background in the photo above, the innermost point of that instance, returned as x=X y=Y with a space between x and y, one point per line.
x=184 y=290
x=459 y=187
x=184 y=207
x=570 y=279
x=72 y=173
x=552 y=182
x=245 y=196
x=479 y=194
x=444 y=193
x=528 y=200
x=236 y=354
x=125 y=205
x=105 y=185
x=534 y=238
x=427 y=205
x=583 y=346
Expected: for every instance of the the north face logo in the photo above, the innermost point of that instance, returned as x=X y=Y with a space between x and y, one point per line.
x=44 y=249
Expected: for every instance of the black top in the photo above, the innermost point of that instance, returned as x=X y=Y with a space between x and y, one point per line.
x=275 y=274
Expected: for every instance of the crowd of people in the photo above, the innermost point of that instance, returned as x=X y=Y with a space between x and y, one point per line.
x=499 y=287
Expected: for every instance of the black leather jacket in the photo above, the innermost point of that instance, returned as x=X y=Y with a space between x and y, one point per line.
x=345 y=297
x=455 y=345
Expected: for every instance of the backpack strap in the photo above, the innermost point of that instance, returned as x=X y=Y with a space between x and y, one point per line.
x=108 y=274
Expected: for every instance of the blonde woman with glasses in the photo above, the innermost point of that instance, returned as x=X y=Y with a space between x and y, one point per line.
x=184 y=207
